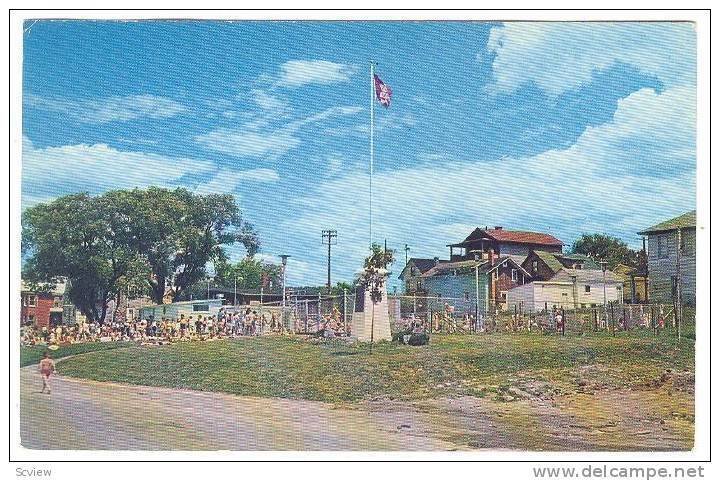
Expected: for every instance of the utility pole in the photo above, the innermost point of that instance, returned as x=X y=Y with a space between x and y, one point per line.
x=603 y=265
x=284 y=258
x=646 y=270
x=407 y=249
x=329 y=237
x=678 y=284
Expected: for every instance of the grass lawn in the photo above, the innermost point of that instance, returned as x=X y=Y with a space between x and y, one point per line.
x=498 y=366
x=33 y=354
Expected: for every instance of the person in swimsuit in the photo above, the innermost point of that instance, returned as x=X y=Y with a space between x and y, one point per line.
x=47 y=367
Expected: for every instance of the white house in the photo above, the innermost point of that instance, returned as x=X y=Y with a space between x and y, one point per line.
x=569 y=288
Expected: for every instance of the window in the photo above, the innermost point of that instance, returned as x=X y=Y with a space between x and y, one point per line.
x=503 y=295
x=535 y=266
x=201 y=307
x=57 y=302
x=419 y=284
x=662 y=248
x=587 y=289
x=513 y=275
x=32 y=301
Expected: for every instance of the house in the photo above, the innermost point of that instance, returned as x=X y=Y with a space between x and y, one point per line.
x=671 y=259
x=411 y=274
x=634 y=283
x=543 y=265
x=568 y=288
x=456 y=281
x=42 y=306
x=502 y=242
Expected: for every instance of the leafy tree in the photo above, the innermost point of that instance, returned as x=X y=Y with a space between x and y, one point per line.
x=250 y=273
x=146 y=240
x=77 y=237
x=601 y=247
x=340 y=287
x=179 y=232
x=375 y=271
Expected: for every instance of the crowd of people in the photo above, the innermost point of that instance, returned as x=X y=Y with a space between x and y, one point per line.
x=157 y=331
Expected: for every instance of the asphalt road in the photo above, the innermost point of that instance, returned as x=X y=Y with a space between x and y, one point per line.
x=83 y=414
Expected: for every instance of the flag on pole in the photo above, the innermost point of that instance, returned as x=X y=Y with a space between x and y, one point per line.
x=383 y=92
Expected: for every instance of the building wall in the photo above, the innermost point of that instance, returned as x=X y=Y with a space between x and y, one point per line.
x=175 y=310
x=536 y=295
x=460 y=288
x=662 y=269
x=543 y=272
x=41 y=313
x=509 y=248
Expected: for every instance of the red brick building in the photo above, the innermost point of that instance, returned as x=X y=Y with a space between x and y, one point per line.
x=42 y=309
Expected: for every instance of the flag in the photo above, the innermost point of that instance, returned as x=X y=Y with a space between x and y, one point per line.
x=383 y=92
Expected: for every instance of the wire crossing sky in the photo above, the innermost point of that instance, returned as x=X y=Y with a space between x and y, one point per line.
x=565 y=128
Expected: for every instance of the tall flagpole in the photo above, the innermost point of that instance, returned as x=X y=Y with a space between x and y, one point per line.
x=372 y=141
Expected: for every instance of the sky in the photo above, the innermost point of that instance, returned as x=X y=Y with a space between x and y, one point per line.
x=564 y=128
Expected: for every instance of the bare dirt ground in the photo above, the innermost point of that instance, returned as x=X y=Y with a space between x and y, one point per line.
x=83 y=414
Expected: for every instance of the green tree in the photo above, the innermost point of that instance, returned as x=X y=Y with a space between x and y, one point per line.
x=179 y=233
x=601 y=247
x=77 y=237
x=249 y=272
x=147 y=239
x=375 y=270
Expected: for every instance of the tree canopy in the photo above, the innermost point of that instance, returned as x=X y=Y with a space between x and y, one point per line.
x=156 y=240
x=603 y=247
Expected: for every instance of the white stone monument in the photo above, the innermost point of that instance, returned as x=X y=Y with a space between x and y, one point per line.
x=371 y=320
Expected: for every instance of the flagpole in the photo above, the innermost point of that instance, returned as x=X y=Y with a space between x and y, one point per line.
x=372 y=141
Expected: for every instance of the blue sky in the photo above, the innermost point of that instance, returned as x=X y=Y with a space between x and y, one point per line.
x=563 y=128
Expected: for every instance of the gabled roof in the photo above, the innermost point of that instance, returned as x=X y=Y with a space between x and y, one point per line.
x=485 y=266
x=423 y=265
x=686 y=220
x=588 y=262
x=550 y=260
x=513 y=236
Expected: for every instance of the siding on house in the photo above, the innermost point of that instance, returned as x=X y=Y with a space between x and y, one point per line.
x=460 y=288
x=663 y=257
x=590 y=289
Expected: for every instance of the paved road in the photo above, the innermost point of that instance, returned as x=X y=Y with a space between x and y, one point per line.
x=83 y=414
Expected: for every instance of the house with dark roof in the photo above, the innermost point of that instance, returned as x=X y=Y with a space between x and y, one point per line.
x=411 y=274
x=544 y=265
x=502 y=242
x=671 y=258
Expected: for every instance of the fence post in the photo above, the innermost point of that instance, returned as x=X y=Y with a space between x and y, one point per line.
x=562 y=313
x=612 y=319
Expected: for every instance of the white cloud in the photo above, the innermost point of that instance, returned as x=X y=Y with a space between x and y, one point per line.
x=258 y=139
x=251 y=144
x=228 y=181
x=610 y=181
x=110 y=109
x=296 y=73
x=561 y=56
x=53 y=171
